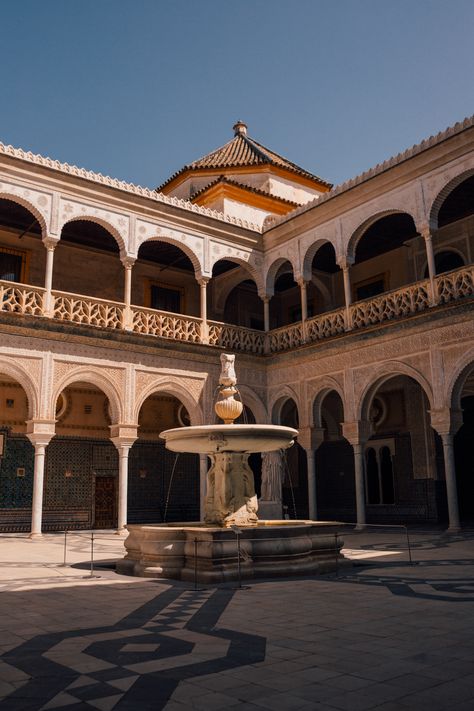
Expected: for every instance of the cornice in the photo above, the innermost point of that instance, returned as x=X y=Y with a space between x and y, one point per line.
x=89 y=175
x=399 y=158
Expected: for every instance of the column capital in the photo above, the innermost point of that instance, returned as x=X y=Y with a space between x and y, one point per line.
x=310 y=438
x=123 y=435
x=40 y=432
x=50 y=242
x=128 y=261
x=203 y=281
x=265 y=296
x=446 y=420
x=357 y=432
x=345 y=261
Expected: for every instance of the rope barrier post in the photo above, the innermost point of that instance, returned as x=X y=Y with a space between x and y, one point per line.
x=238 y=533
x=336 y=554
x=195 y=563
x=408 y=546
x=65 y=548
x=91 y=574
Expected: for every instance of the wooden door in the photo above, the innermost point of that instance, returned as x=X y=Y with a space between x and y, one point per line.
x=105 y=504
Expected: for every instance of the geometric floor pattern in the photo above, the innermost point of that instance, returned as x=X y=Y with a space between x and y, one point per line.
x=135 y=664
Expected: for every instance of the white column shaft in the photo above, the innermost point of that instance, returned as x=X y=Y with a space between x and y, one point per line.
x=204 y=331
x=359 y=484
x=123 y=487
x=48 y=280
x=451 y=487
x=128 y=285
x=38 y=484
x=304 y=301
x=431 y=265
x=347 y=286
x=312 y=506
x=266 y=314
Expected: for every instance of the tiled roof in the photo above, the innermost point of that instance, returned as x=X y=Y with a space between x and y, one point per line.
x=222 y=179
x=243 y=151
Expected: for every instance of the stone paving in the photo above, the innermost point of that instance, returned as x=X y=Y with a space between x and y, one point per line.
x=381 y=635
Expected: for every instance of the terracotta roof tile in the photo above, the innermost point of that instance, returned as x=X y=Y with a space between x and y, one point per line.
x=243 y=151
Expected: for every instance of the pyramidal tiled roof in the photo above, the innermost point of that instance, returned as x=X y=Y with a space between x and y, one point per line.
x=243 y=151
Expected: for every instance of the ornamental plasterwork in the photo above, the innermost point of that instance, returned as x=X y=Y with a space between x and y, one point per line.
x=435 y=183
x=27 y=372
x=187 y=389
x=220 y=250
x=286 y=252
x=38 y=200
x=145 y=230
x=73 y=210
x=109 y=380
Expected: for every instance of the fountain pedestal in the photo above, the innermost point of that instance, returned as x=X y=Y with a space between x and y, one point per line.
x=231 y=498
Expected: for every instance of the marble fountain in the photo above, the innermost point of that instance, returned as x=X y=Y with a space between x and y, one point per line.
x=207 y=551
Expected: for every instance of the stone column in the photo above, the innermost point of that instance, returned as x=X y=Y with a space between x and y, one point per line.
x=451 y=486
x=50 y=245
x=127 y=314
x=266 y=313
x=431 y=264
x=446 y=422
x=357 y=434
x=345 y=265
x=39 y=432
x=304 y=306
x=123 y=436
x=312 y=505
x=204 y=327
x=203 y=468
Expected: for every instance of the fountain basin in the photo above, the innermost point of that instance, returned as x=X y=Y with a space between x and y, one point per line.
x=212 y=439
x=209 y=554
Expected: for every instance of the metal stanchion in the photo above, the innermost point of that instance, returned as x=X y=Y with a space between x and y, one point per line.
x=336 y=555
x=65 y=548
x=238 y=533
x=91 y=574
x=408 y=546
x=195 y=564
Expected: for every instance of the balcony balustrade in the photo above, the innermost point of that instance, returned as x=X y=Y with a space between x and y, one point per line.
x=399 y=303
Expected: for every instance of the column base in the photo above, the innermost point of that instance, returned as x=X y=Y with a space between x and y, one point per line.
x=360 y=527
x=121 y=531
x=35 y=535
x=453 y=529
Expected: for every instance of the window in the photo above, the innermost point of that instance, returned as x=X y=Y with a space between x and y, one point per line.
x=379 y=473
x=165 y=298
x=12 y=264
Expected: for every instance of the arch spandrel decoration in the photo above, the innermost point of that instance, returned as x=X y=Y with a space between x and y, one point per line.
x=380 y=375
x=464 y=367
x=317 y=393
x=94 y=377
x=272 y=272
x=441 y=186
x=22 y=376
x=251 y=263
x=37 y=202
x=115 y=223
x=310 y=250
x=191 y=245
x=179 y=390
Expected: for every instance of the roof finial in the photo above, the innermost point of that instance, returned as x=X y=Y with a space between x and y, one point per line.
x=240 y=128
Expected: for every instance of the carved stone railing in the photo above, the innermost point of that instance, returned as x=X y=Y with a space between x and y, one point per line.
x=87 y=310
x=280 y=339
x=455 y=285
x=391 y=305
x=236 y=338
x=21 y=299
x=166 y=325
x=325 y=325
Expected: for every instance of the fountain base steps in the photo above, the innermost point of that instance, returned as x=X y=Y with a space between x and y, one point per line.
x=209 y=554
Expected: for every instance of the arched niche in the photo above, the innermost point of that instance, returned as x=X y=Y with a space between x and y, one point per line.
x=455 y=220
x=325 y=287
x=164 y=278
x=285 y=304
x=87 y=260
x=382 y=252
x=163 y=486
x=454 y=201
x=235 y=297
x=22 y=254
x=463 y=442
x=446 y=260
x=295 y=481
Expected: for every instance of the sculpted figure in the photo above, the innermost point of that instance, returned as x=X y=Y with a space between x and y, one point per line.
x=227 y=376
x=272 y=475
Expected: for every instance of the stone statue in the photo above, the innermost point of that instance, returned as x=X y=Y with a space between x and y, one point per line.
x=227 y=376
x=273 y=469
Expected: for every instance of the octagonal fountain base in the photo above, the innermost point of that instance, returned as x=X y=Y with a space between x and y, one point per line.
x=207 y=554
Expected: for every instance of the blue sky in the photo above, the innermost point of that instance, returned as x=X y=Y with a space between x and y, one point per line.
x=137 y=88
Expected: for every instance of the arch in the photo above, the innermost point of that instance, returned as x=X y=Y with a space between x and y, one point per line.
x=226 y=287
x=251 y=271
x=359 y=232
x=311 y=253
x=458 y=380
x=444 y=193
x=179 y=391
x=272 y=272
x=278 y=400
x=113 y=231
x=21 y=376
x=255 y=403
x=442 y=250
x=185 y=248
x=13 y=197
x=325 y=387
x=97 y=378
x=385 y=372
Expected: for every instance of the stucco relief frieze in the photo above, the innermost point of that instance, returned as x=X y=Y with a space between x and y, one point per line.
x=117 y=223
x=188 y=389
x=27 y=372
x=37 y=201
x=108 y=379
x=250 y=260
x=276 y=257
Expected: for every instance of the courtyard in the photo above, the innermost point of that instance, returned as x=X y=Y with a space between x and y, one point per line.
x=380 y=634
